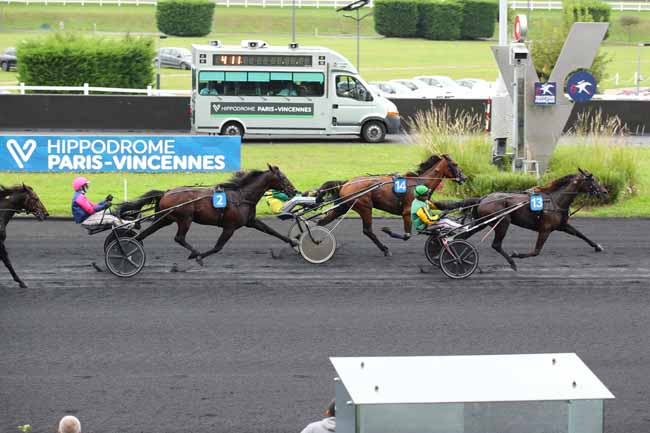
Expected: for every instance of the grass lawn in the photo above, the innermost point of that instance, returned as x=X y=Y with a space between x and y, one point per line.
x=308 y=166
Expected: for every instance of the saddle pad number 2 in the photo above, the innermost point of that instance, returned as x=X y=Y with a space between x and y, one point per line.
x=400 y=185
x=219 y=200
x=536 y=202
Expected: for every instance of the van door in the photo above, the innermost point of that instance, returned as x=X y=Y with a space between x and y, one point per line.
x=351 y=102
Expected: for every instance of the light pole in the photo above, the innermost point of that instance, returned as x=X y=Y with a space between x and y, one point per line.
x=355 y=6
x=293 y=21
x=158 y=56
x=638 y=66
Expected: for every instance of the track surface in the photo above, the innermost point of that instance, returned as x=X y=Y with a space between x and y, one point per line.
x=242 y=345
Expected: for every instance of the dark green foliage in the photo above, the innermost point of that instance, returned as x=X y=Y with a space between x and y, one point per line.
x=598 y=11
x=71 y=60
x=479 y=18
x=440 y=19
x=185 y=17
x=396 y=18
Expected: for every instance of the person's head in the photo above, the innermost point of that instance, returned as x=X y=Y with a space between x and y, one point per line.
x=331 y=409
x=421 y=191
x=69 y=424
x=80 y=184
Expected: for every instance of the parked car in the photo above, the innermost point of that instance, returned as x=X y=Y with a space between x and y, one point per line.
x=175 y=58
x=477 y=88
x=393 y=90
x=8 y=59
x=421 y=89
x=446 y=85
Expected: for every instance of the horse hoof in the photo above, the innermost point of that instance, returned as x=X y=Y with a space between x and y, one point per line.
x=22 y=285
x=387 y=253
x=513 y=267
x=599 y=248
x=193 y=255
x=199 y=260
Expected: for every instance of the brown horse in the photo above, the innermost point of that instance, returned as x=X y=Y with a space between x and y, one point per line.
x=558 y=196
x=430 y=173
x=13 y=200
x=186 y=205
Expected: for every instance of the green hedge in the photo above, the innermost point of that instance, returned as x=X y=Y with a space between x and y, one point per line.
x=440 y=19
x=65 y=59
x=396 y=18
x=599 y=11
x=185 y=17
x=479 y=19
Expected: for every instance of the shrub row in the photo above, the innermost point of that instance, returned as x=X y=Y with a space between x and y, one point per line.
x=65 y=59
x=185 y=17
x=436 y=19
x=598 y=11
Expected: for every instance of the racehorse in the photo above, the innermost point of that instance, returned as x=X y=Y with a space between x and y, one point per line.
x=559 y=194
x=430 y=173
x=186 y=205
x=13 y=200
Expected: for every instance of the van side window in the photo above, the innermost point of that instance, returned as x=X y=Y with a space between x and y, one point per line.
x=349 y=87
x=266 y=84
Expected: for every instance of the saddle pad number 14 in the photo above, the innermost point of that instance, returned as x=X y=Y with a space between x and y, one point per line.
x=536 y=202
x=219 y=200
x=400 y=185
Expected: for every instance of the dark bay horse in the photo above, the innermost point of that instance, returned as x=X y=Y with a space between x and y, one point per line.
x=558 y=196
x=430 y=173
x=13 y=200
x=243 y=192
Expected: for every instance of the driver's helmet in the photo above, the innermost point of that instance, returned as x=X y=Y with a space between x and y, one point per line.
x=79 y=183
x=421 y=190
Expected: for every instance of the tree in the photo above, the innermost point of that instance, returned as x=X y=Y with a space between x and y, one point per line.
x=628 y=22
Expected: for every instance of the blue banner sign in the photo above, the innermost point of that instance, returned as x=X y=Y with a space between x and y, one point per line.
x=545 y=93
x=129 y=153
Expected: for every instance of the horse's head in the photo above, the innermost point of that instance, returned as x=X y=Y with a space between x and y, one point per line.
x=281 y=182
x=32 y=204
x=587 y=183
x=453 y=170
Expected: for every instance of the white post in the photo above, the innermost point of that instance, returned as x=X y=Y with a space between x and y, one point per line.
x=86 y=92
x=126 y=191
x=616 y=78
x=22 y=88
x=149 y=90
x=503 y=22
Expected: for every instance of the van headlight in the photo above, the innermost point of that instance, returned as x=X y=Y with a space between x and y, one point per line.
x=393 y=114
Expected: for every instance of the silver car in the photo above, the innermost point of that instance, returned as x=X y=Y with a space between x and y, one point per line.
x=174 y=58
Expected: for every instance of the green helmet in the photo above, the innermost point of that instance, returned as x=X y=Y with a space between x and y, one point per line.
x=421 y=190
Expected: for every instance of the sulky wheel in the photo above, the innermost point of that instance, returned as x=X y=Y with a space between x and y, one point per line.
x=296 y=230
x=122 y=233
x=125 y=257
x=459 y=259
x=432 y=249
x=317 y=245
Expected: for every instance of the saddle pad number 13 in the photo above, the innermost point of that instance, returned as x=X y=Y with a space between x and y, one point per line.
x=219 y=200
x=536 y=202
x=400 y=185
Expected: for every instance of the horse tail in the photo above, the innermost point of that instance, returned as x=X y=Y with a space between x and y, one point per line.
x=131 y=209
x=329 y=190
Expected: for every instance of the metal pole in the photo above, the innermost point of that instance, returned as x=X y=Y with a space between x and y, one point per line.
x=158 y=73
x=503 y=22
x=515 y=117
x=358 y=38
x=293 y=21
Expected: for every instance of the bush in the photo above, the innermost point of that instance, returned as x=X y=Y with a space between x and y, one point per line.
x=440 y=19
x=587 y=11
x=396 y=18
x=71 y=60
x=185 y=17
x=479 y=19
x=628 y=22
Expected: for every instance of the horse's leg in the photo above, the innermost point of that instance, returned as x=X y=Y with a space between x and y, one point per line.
x=332 y=215
x=4 y=256
x=183 y=228
x=261 y=226
x=366 y=217
x=569 y=229
x=542 y=236
x=154 y=227
x=497 y=244
x=225 y=235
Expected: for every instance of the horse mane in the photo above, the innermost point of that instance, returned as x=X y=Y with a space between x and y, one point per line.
x=425 y=165
x=6 y=191
x=556 y=184
x=241 y=179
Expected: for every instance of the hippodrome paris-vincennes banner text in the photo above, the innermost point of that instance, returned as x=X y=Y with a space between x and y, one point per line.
x=98 y=153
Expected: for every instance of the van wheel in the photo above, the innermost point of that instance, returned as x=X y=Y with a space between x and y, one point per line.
x=373 y=131
x=232 y=128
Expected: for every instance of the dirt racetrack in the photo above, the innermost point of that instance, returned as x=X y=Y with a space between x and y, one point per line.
x=242 y=344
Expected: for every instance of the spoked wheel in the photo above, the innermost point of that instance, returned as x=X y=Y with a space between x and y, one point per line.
x=432 y=249
x=317 y=245
x=125 y=257
x=296 y=230
x=122 y=233
x=459 y=259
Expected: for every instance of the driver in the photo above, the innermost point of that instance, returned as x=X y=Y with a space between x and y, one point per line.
x=88 y=213
x=421 y=216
